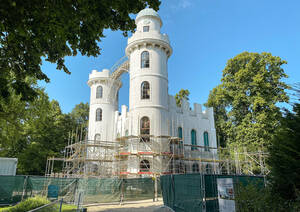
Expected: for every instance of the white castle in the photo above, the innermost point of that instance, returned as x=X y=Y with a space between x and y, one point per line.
x=153 y=136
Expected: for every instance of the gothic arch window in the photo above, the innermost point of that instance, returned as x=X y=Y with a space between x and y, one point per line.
x=195 y=168
x=126 y=133
x=144 y=166
x=180 y=132
x=206 y=141
x=99 y=92
x=145 y=59
x=99 y=114
x=193 y=139
x=145 y=90
x=145 y=129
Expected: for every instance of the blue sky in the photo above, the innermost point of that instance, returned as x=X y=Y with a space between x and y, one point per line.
x=204 y=34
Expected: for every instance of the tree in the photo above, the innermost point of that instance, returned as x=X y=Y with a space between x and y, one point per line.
x=245 y=103
x=33 y=131
x=182 y=94
x=32 y=30
x=80 y=118
x=285 y=156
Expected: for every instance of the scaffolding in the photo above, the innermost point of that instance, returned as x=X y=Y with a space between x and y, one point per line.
x=148 y=155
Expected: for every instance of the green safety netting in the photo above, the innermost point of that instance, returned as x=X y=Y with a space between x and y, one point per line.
x=182 y=192
x=100 y=190
x=186 y=192
x=138 y=189
x=12 y=189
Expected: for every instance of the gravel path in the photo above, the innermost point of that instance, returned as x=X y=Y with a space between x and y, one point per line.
x=141 y=206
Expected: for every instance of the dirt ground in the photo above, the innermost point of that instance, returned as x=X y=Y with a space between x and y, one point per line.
x=141 y=206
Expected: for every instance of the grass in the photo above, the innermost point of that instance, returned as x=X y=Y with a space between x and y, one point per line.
x=35 y=202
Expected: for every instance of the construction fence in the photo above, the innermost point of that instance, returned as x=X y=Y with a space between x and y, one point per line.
x=13 y=189
x=198 y=192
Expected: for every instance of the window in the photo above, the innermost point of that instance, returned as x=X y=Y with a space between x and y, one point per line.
x=206 y=141
x=145 y=129
x=195 y=168
x=145 y=63
x=126 y=133
x=97 y=137
x=99 y=92
x=144 y=166
x=180 y=142
x=99 y=114
x=193 y=139
x=180 y=132
x=146 y=28
x=145 y=90
x=208 y=169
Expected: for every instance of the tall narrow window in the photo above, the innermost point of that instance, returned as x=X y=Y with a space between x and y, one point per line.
x=180 y=142
x=146 y=28
x=145 y=60
x=97 y=139
x=144 y=166
x=195 y=168
x=99 y=114
x=180 y=132
x=145 y=90
x=99 y=92
x=194 y=140
x=145 y=129
x=206 y=141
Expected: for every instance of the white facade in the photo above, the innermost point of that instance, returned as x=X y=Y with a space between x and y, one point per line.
x=150 y=99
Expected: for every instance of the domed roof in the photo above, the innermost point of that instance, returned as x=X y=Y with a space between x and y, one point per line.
x=148 y=12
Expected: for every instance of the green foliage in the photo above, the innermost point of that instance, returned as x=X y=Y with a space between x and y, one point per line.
x=245 y=103
x=80 y=117
x=182 y=94
x=33 y=131
x=32 y=30
x=28 y=204
x=285 y=156
x=251 y=198
x=35 y=202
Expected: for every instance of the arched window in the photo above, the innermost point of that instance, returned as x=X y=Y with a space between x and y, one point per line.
x=180 y=132
x=180 y=136
x=145 y=61
x=208 y=169
x=206 y=141
x=144 y=166
x=193 y=139
x=99 y=92
x=145 y=90
x=99 y=114
x=145 y=129
x=195 y=168
x=97 y=137
x=126 y=133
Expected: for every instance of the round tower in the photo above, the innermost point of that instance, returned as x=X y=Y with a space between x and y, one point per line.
x=103 y=104
x=148 y=51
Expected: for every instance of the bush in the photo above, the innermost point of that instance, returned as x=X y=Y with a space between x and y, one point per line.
x=251 y=198
x=28 y=204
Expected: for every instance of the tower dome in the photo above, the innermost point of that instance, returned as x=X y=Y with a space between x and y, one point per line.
x=148 y=12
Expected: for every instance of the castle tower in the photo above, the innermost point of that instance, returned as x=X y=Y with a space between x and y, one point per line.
x=103 y=104
x=148 y=51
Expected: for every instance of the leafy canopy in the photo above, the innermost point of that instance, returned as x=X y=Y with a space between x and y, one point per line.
x=182 y=94
x=32 y=30
x=245 y=103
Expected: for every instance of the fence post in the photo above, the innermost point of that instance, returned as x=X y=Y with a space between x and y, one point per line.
x=155 y=189
x=122 y=191
x=61 y=202
x=24 y=187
